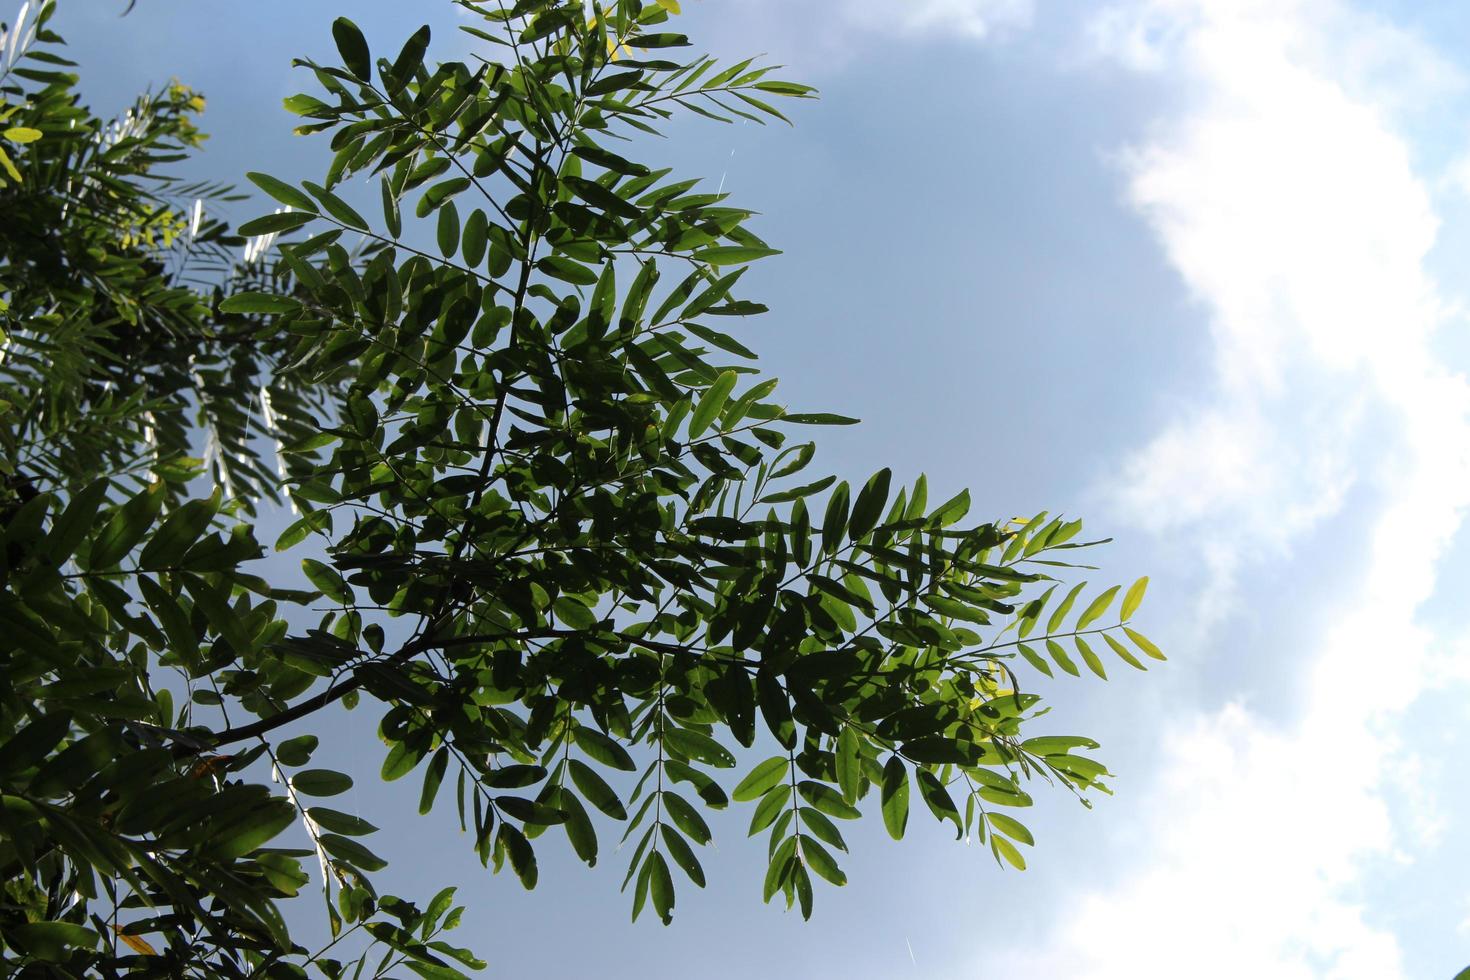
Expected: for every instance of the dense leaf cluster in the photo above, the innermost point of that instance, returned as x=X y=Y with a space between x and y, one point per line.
x=110 y=270
x=557 y=526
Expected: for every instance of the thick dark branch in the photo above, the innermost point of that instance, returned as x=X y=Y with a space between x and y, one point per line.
x=341 y=689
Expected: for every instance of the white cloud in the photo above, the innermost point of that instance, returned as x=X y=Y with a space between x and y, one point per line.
x=820 y=36
x=1289 y=205
x=966 y=18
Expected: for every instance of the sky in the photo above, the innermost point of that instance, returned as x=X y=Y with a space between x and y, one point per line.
x=1193 y=270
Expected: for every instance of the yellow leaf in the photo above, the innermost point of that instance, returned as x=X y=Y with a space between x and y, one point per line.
x=9 y=167
x=21 y=134
x=672 y=6
x=136 y=943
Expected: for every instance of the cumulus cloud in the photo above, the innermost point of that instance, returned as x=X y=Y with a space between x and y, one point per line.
x=1288 y=203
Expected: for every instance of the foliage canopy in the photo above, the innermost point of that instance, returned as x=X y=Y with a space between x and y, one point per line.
x=556 y=525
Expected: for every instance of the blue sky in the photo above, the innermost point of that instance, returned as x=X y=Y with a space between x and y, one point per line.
x=1190 y=269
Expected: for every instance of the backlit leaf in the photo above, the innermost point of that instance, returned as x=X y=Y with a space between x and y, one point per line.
x=761 y=779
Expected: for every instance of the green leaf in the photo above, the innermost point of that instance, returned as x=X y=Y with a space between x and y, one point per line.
x=603 y=749
x=1133 y=598
x=1124 y=654
x=433 y=776
x=1060 y=656
x=171 y=616
x=708 y=790
x=816 y=857
x=779 y=867
x=938 y=800
x=296 y=751
x=392 y=215
x=475 y=237
x=1058 y=744
x=826 y=799
x=448 y=231
x=658 y=41
x=775 y=706
x=304 y=105
x=793 y=89
x=1093 y=661
x=769 y=808
x=512 y=842
x=849 y=764
x=439 y=195
x=609 y=161
x=952 y=510
x=258 y=303
x=71 y=527
x=640 y=890
x=567 y=270
x=236 y=834
x=596 y=790
x=574 y=613
x=824 y=829
x=127 y=526
x=661 y=888
x=685 y=817
x=340 y=823
x=797 y=493
x=1004 y=848
x=710 y=404
x=868 y=507
x=283 y=192
x=732 y=254
x=438 y=905
x=762 y=778
x=1010 y=827
x=1059 y=614
x=895 y=797
x=52 y=941
x=603 y=199
x=1144 y=643
x=319 y=520
x=273 y=224
x=699 y=747
x=682 y=854
x=834 y=521
x=321 y=782
x=612 y=83
x=353 y=47
x=34 y=742
x=21 y=134
x=336 y=207
x=530 y=812
x=178 y=533
x=513 y=776
x=410 y=59
x=400 y=760
x=327 y=580
x=1034 y=659
x=1096 y=608
x=349 y=850
x=578 y=827
x=942 y=750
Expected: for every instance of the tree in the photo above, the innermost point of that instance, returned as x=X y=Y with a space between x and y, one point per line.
x=556 y=525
